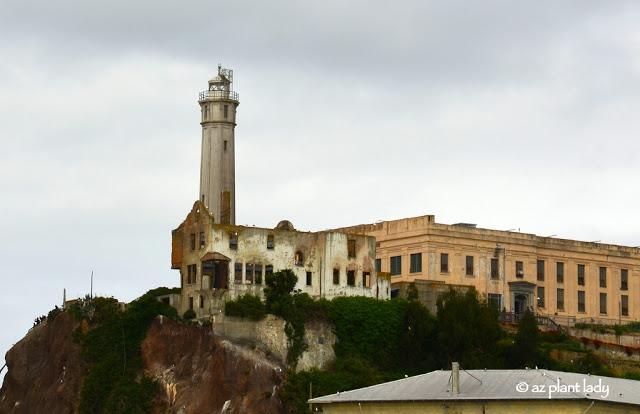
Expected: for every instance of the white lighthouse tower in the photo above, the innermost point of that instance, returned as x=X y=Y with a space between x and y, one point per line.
x=217 y=164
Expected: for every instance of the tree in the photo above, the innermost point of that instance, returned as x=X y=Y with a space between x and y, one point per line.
x=467 y=330
x=279 y=287
x=412 y=292
x=527 y=339
x=415 y=343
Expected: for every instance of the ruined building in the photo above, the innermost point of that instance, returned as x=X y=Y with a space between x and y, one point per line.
x=219 y=261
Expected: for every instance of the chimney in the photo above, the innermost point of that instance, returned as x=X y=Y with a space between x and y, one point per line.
x=455 y=378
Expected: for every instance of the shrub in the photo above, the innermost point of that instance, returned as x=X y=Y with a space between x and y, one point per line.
x=247 y=306
x=189 y=314
x=553 y=337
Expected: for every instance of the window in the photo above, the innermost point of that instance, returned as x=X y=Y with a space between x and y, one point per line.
x=603 y=277
x=238 y=273
x=191 y=274
x=351 y=277
x=624 y=279
x=581 y=301
x=494 y=300
x=308 y=278
x=351 y=248
x=495 y=264
x=249 y=274
x=233 y=240
x=519 y=269
x=540 y=296
x=560 y=299
x=202 y=239
x=225 y=145
x=258 y=273
x=192 y=239
x=603 y=303
x=366 y=279
x=299 y=258
x=226 y=111
x=624 y=305
x=336 y=276
x=395 y=265
x=270 y=243
x=268 y=270
x=191 y=302
x=378 y=265
x=201 y=301
x=541 y=270
x=560 y=272
x=469 y=267
x=581 y=275
x=416 y=263
x=444 y=263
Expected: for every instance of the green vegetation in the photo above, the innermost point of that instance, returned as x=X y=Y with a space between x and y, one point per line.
x=189 y=314
x=247 y=306
x=111 y=341
x=525 y=349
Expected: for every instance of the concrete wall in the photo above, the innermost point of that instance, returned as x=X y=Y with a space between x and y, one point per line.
x=268 y=335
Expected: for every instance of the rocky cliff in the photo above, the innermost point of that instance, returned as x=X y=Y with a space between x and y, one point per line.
x=197 y=371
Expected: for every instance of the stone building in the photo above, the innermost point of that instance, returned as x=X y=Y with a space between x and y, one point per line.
x=568 y=280
x=219 y=262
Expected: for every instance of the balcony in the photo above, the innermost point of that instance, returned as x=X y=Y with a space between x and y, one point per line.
x=219 y=94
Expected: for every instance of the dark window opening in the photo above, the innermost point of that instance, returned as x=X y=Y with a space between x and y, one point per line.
x=581 y=301
x=201 y=302
x=233 y=240
x=494 y=269
x=469 y=266
x=624 y=279
x=444 y=263
x=258 y=273
x=268 y=270
x=415 y=265
x=366 y=279
x=191 y=274
x=299 y=258
x=270 y=243
x=603 y=303
x=202 y=240
x=192 y=239
x=166 y=301
x=191 y=302
x=540 y=270
x=336 y=276
x=225 y=145
x=351 y=248
x=560 y=299
x=378 y=265
x=308 y=278
x=541 y=296
x=603 y=277
x=351 y=277
x=624 y=305
x=226 y=111
x=238 y=273
x=395 y=265
x=581 y=275
x=249 y=274
x=560 y=272
x=519 y=269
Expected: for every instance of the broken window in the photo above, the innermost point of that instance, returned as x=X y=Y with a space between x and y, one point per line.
x=469 y=267
x=336 y=276
x=624 y=279
x=395 y=265
x=249 y=274
x=540 y=270
x=192 y=239
x=351 y=277
x=238 y=273
x=603 y=303
x=519 y=269
x=581 y=301
x=603 y=277
x=233 y=240
x=624 y=305
x=494 y=269
x=581 y=275
x=560 y=299
x=378 y=265
x=415 y=265
x=444 y=263
x=299 y=258
x=366 y=279
x=351 y=248
x=308 y=278
x=560 y=272
x=270 y=243
x=541 y=296
x=202 y=239
x=258 y=273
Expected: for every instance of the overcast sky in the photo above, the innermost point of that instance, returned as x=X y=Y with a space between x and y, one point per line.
x=500 y=113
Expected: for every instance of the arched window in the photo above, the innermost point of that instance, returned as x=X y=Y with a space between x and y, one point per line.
x=299 y=259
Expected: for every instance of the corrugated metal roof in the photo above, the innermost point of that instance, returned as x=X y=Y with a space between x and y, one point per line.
x=523 y=384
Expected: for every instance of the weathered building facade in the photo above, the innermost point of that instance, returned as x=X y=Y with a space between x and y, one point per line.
x=219 y=262
x=556 y=277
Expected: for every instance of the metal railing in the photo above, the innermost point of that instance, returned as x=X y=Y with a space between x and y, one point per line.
x=219 y=94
